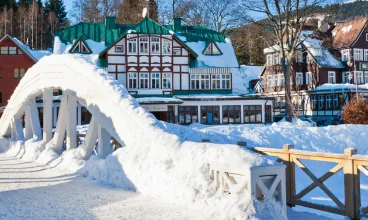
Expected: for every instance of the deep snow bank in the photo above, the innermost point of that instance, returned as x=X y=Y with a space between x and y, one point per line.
x=156 y=159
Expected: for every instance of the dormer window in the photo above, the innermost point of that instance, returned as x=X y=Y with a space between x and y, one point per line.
x=212 y=49
x=80 y=47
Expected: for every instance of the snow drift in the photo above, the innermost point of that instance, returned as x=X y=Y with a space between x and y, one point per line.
x=158 y=159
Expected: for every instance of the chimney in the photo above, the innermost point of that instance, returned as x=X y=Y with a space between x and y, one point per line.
x=177 y=24
x=110 y=22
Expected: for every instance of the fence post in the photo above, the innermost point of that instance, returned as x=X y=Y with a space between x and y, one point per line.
x=290 y=175
x=352 y=200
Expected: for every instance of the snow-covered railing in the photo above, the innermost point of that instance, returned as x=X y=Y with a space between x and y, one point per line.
x=351 y=164
x=262 y=183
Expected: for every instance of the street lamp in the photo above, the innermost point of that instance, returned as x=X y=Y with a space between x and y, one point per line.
x=350 y=63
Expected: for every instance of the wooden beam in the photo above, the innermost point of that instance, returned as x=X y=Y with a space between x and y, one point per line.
x=323 y=178
x=59 y=135
x=90 y=139
x=71 y=123
x=34 y=119
x=104 y=139
x=321 y=185
x=47 y=114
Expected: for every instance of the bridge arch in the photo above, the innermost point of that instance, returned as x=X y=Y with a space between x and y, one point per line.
x=114 y=111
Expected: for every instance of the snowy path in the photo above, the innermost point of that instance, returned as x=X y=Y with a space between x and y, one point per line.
x=32 y=191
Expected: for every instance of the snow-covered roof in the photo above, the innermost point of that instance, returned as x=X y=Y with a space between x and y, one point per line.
x=35 y=55
x=226 y=60
x=223 y=96
x=321 y=55
x=329 y=86
x=241 y=77
x=61 y=48
x=156 y=100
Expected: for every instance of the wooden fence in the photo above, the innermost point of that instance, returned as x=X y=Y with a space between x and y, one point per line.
x=351 y=164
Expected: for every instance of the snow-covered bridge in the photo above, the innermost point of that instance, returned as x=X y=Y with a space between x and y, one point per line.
x=159 y=159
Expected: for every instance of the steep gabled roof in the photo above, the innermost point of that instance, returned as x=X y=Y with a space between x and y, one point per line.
x=148 y=26
x=35 y=55
x=344 y=35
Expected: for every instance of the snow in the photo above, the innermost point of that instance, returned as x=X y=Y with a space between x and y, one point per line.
x=61 y=48
x=34 y=191
x=161 y=160
x=35 y=54
x=323 y=57
x=158 y=100
x=329 y=86
x=241 y=77
x=227 y=59
x=346 y=29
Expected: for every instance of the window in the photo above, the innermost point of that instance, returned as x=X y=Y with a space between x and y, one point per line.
x=216 y=81
x=308 y=78
x=365 y=77
x=269 y=81
x=205 y=81
x=331 y=77
x=155 y=80
x=210 y=114
x=200 y=81
x=20 y=52
x=143 y=45
x=358 y=54
x=188 y=114
x=4 y=50
x=321 y=101
x=143 y=80
x=365 y=55
x=366 y=36
x=275 y=80
x=346 y=77
x=166 y=80
x=119 y=48
x=269 y=60
x=133 y=80
x=22 y=72
x=299 y=78
x=314 y=102
x=12 y=50
x=231 y=114
x=132 y=46
x=252 y=113
x=299 y=58
x=225 y=81
x=281 y=80
x=1 y=97
x=345 y=55
x=212 y=49
x=155 y=45
x=335 y=101
x=166 y=46
x=16 y=73
x=359 y=75
x=275 y=59
x=307 y=59
x=328 y=102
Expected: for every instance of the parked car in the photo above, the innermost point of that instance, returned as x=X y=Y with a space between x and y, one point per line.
x=313 y=123
x=278 y=117
x=337 y=120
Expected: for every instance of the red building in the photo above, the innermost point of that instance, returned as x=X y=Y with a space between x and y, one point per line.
x=15 y=59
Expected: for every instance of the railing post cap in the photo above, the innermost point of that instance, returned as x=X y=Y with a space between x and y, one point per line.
x=350 y=152
x=287 y=147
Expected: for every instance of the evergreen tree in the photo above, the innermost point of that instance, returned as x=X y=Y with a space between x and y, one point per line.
x=58 y=7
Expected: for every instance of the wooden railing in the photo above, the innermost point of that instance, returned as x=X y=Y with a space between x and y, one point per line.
x=351 y=164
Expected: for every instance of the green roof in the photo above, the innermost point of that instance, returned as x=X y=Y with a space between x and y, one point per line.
x=100 y=33
x=199 y=33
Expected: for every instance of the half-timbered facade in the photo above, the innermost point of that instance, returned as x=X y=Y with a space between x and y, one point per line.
x=182 y=74
x=15 y=59
x=322 y=80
